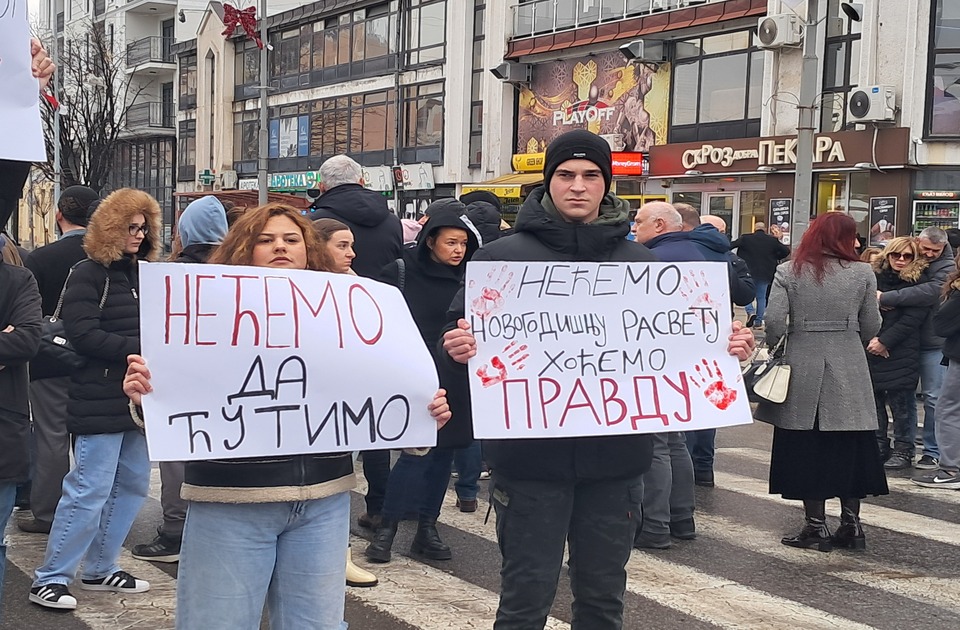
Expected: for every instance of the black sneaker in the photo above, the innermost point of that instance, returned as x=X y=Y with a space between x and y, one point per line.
x=927 y=462
x=160 y=549
x=119 y=582
x=53 y=596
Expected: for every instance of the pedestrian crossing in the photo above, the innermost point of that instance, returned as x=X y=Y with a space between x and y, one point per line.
x=736 y=574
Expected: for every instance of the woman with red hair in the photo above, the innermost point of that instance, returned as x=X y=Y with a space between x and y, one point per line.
x=825 y=301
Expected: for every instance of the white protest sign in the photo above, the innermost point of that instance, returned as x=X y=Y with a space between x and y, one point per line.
x=592 y=349
x=21 y=135
x=254 y=361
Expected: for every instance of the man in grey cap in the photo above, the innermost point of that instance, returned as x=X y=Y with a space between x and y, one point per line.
x=50 y=265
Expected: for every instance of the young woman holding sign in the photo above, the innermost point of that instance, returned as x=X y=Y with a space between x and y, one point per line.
x=274 y=529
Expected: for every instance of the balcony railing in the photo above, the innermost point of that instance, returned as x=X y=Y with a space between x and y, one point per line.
x=156 y=49
x=156 y=115
x=549 y=16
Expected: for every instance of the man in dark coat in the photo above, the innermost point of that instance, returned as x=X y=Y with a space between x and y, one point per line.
x=763 y=253
x=19 y=339
x=377 y=233
x=549 y=491
x=50 y=265
x=934 y=247
x=378 y=241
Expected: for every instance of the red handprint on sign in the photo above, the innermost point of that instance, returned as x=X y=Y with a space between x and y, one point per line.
x=499 y=282
x=696 y=289
x=716 y=390
x=515 y=357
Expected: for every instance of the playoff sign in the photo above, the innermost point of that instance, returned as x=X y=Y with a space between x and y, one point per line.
x=591 y=349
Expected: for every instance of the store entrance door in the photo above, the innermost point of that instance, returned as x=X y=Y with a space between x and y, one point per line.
x=722 y=205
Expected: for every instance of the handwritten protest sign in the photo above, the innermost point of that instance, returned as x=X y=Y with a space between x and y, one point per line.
x=252 y=361
x=590 y=349
x=21 y=137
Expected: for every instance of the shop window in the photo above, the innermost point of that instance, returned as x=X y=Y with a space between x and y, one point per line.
x=707 y=104
x=841 y=64
x=847 y=193
x=943 y=89
x=753 y=210
x=694 y=199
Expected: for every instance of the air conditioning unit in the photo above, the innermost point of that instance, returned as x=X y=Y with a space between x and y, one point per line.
x=777 y=31
x=874 y=103
x=229 y=180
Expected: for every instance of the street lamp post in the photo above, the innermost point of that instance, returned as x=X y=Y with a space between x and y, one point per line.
x=264 y=132
x=803 y=180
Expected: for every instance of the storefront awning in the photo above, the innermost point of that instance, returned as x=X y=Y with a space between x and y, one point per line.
x=507 y=186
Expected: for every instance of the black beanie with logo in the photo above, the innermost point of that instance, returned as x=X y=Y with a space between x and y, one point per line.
x=578 y=144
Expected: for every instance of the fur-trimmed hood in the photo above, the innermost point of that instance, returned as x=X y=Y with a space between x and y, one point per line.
x=911 y=273
x=107 y=230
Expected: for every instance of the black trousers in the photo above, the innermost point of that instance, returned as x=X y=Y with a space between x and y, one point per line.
x=13 y=175
x=376 y=470
x=597 y=518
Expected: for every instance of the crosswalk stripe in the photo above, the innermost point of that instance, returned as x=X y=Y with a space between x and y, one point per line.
x=931 y=591
x=101 y=610
x=712 y=599
x=895 y=483
x=427 y=597
x=879 y=516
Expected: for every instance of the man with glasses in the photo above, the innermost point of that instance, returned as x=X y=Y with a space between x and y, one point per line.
x=933 y=245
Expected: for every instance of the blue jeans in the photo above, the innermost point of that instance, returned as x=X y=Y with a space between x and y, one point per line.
x=903 y=406
x=469 y=463
x=931 y=380
x=417 y=485
x=291 y=555
x=102 y=495
x=702 y=445
x=761 y=300
x=8 y=494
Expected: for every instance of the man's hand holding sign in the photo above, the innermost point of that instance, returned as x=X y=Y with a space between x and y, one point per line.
x=254 y=361
x=592 y=349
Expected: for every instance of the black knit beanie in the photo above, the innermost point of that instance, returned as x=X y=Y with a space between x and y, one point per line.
x=578 y=144
x=75 y=203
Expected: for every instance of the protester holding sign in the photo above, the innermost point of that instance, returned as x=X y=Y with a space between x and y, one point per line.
x=265 y=529
x=111 y=473
x=584 y=491
x=429 y=277
x=823 y=440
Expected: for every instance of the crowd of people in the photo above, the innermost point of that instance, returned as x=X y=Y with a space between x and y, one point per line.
x=862 y=337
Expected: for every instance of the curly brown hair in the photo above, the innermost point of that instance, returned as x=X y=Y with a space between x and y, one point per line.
x=237 y=246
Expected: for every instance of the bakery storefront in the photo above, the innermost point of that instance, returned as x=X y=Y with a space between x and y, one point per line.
x=750 y=180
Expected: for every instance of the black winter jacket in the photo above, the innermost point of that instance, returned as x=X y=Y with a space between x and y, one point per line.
x=51 y=263
x=20 y=308
x=428 y=289
x=486 y=218
x=925 y=293
x=900 y=333
x=106 y=336
x=715 y=245
x=946 y=323
x=193 y=254
x=762 y=252
x=542 y=236
x=377 y=233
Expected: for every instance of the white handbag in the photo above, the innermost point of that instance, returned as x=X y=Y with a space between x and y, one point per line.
x=771 y=378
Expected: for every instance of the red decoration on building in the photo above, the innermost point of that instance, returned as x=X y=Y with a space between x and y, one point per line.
x=247 y=19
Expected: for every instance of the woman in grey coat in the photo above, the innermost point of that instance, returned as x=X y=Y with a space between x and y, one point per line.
x=825 y=301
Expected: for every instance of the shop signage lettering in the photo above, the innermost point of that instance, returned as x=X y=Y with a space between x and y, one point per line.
x=627 y=163
x=295 y=181
x=580 y=114
x=528 y=162
x=767 y=153
x=936 y=194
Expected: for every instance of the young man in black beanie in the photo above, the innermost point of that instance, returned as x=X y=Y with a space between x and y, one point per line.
x=50 y=265
x=585 y=491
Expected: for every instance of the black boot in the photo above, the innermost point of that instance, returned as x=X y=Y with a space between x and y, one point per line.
x=850 y=533
x=814 y=534
x=379 y=549
x=427 y=541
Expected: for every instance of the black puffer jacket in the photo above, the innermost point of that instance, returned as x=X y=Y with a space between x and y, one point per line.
x=106 y=336
x=946 y=322
x=542 y=236
x=486 y=218
x=899 y=332
x=428 y=288
x=377 y=233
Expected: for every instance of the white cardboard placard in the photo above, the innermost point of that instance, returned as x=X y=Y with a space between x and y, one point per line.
x=254 y=361
x=572 y=349
x=21 y=134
